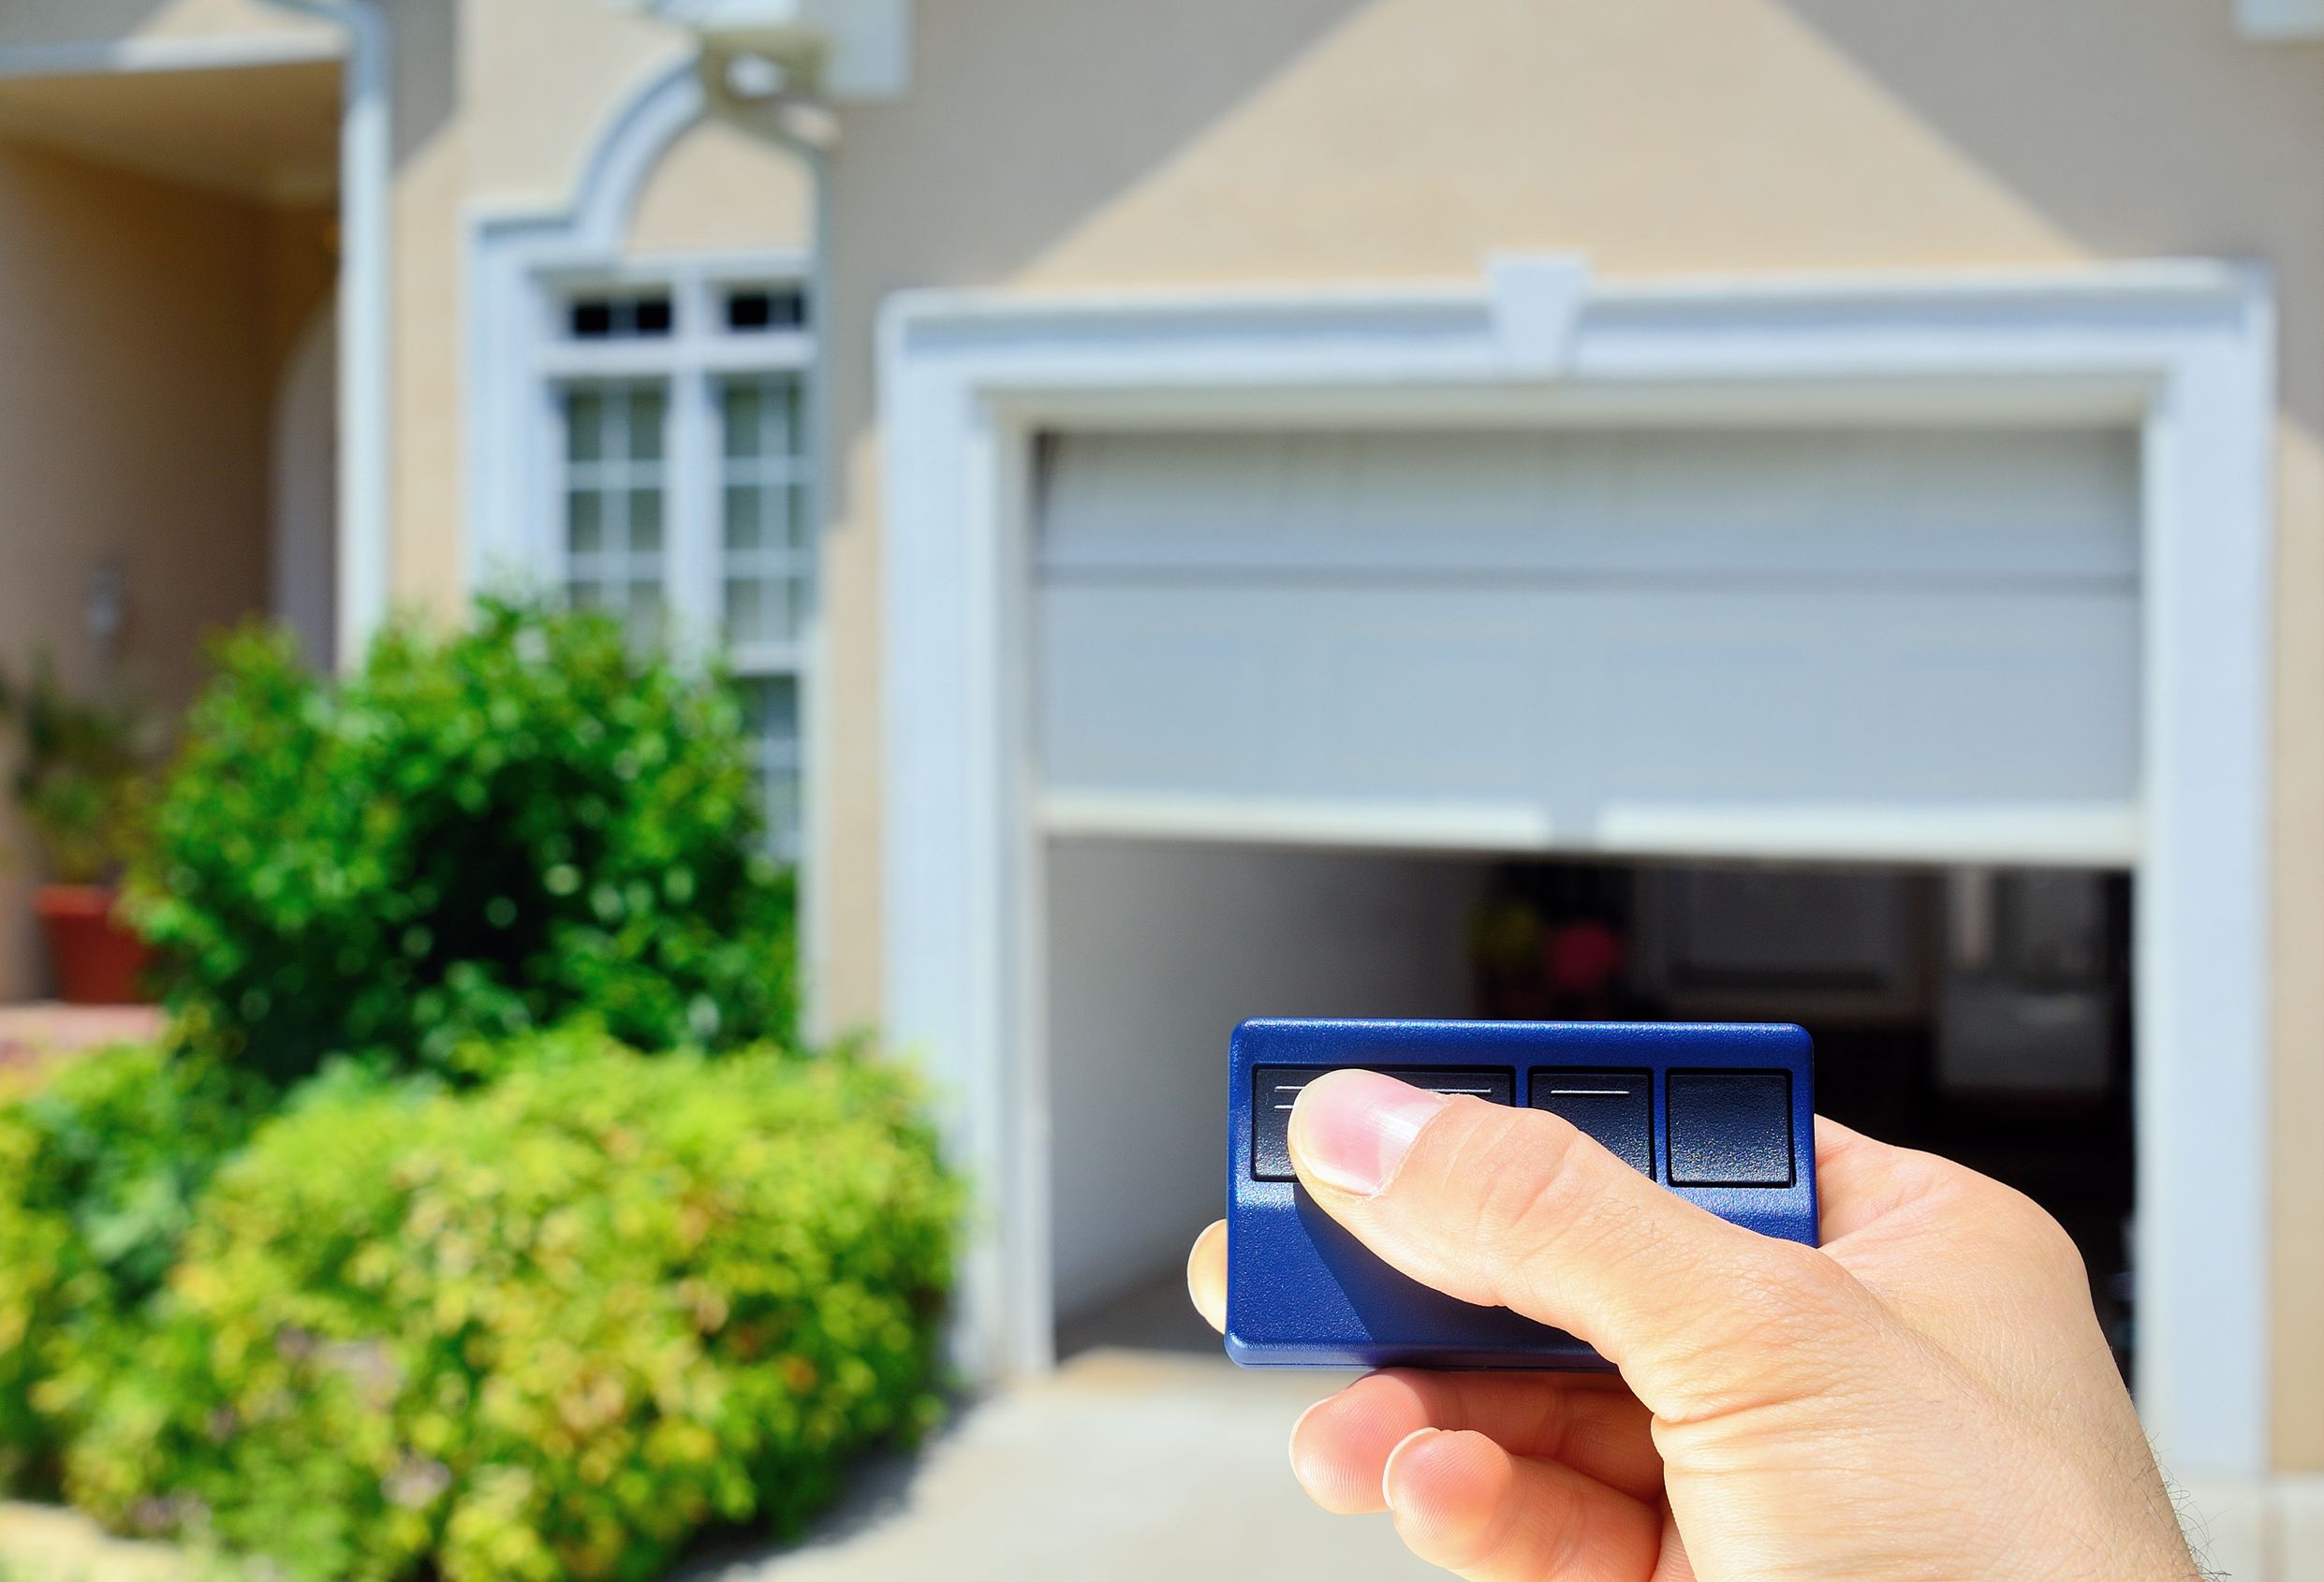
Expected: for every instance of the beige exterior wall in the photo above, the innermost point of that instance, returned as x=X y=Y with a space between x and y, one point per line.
x=142 y=327
x=720 y=189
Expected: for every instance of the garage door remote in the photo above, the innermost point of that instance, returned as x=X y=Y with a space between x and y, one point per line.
x=1720 y=1113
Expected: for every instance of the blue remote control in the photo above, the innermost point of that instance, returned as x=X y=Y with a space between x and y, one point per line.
x=1720 y=1113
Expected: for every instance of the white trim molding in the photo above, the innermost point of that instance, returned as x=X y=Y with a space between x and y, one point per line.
x=2183 y=351
x=366 y=320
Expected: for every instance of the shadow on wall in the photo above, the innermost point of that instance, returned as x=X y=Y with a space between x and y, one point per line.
x=2061 y=105
x=972 y=215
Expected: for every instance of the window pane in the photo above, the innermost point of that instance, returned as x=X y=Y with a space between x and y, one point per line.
x=645 y=611
x=774 y=707
x=617 y=318
x=771 y=721
x=741 y=402
x=585 y=593
x=584 y=425
x=584 y=521
x=792 y=508
x=743 y=516
x=646 y=405
x=746 y=611
x=645 y=520
x=782 y=417
x=759 y=308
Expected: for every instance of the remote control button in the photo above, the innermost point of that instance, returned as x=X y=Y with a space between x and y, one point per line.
x=1617 y=1108
x=1730 y=1128
x=1275 y=1088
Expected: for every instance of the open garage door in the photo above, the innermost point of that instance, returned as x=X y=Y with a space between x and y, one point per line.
x=1849 y=642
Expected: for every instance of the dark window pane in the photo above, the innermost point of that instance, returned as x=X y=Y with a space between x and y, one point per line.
x=618 y=318
x=766 y=309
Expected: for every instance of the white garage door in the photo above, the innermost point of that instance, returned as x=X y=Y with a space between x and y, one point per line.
x=1848 y=641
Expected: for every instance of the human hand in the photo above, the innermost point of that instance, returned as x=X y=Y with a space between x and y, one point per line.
x=1926 y=1396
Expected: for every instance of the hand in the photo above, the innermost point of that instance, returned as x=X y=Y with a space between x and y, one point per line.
x=1927 y=1396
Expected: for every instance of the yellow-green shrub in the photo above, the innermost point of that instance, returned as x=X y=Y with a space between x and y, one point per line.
x=101 y=1158
x=543 y=1329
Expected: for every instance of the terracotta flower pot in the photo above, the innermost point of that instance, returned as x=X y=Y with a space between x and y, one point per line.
x=98 y=960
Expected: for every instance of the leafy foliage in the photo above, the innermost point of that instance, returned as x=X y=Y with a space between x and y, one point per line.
x=474 y=837
x=83 y=778
x=541 y=1329
x=100 y=1163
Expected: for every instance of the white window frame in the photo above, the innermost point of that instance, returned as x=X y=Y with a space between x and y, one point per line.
x=2184 y=350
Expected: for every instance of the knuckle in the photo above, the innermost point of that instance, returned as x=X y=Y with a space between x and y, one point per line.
x=2016 y=1224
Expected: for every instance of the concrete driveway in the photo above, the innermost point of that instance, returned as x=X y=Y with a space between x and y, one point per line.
x=1132 y=1466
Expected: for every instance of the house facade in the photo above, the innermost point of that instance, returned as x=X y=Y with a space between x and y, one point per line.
x=1209 y=501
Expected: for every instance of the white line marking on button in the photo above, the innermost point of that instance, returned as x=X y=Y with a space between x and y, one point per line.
x=1590 y=1093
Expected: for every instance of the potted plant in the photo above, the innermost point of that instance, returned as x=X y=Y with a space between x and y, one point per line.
x=80 y=785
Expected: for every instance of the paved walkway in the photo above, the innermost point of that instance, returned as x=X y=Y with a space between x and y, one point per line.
x=1132 y=1466
x=35 y=1029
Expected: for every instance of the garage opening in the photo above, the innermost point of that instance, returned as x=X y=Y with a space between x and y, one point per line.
x=1835 y=724
x=1981 y=1013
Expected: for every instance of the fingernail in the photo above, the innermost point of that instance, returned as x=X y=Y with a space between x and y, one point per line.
x=1387 y=1467
x=1350 y=1129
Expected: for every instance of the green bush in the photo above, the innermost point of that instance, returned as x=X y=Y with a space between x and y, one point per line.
x=474 y=836
x=543 y=1327
x=101 y=1158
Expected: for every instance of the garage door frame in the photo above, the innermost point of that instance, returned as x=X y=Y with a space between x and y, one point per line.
x=2181 y=349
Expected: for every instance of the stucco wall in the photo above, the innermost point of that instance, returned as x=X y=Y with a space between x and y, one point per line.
x=1066 y=142
x=721 y=189
x=136 y=359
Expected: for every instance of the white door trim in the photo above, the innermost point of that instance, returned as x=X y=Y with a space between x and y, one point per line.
x=2185 y=349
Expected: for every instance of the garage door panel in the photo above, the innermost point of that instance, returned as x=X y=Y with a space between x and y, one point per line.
x=1295 y=692
x=1857 y=698
x=1429 y=693
x=1616 y=641
x=2055 y=504
x=1164 y=690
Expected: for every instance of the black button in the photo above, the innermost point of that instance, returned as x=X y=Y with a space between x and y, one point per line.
x=1273 y=1088
x=1614 y=1106
x=1730 y=1128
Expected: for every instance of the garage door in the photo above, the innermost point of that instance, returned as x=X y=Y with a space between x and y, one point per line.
x=1917 y=643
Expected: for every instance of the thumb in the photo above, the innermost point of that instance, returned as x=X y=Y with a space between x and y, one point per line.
x=1517 y=1208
